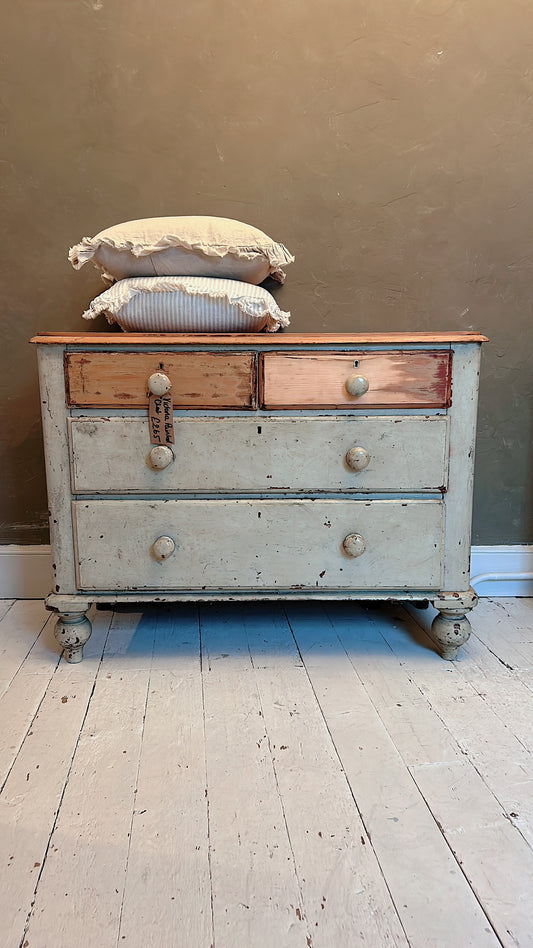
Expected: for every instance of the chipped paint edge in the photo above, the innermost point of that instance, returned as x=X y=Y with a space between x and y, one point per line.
x=26 y=571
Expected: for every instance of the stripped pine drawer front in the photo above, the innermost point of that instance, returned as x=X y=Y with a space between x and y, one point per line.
x=292 y=454
x=199 y=379
x=402 y=379
x=258 y=544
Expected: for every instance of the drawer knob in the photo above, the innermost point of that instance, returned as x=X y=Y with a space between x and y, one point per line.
x=358 y=458
x=162 y=548
x=357 y=385
x=159 y=383
x=354 y=544
x=160 y=457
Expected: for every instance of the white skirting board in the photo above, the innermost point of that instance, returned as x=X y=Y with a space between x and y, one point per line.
x=502 y=570
x=26 y=571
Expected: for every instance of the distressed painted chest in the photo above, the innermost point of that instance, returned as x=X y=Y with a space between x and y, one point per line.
x=293 y=466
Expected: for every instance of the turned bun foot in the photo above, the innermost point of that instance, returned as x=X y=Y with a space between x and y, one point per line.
x=450 y=629
x=72 y=631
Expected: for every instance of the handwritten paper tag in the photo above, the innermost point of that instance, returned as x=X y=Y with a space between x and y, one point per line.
x=161 y=419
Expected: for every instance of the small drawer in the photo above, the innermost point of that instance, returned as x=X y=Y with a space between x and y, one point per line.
x=396 y=379
x=280 y=453
x=198 y=379
x=196 y=545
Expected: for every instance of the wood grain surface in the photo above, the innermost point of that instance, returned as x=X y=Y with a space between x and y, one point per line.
x=120 y=339
x=318 y=380
x=199 y=379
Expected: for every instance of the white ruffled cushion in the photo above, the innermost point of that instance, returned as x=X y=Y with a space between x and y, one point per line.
x=188 y=304
x=183 y=246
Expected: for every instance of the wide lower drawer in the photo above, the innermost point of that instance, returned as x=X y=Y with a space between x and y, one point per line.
x=249 y=544
x=198 y=379
x=408 y=379
x=240 y=454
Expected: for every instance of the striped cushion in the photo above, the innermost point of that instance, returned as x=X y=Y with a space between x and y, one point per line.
x=184 y=246
x=188 y=304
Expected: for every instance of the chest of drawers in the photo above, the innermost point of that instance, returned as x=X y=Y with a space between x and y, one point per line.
x=293 y=466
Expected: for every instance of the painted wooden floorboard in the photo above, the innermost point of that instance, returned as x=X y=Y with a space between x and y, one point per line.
x=201 y=779
x=477 y=827
x=23 y=695
x=502 y=685
x=84 y=873
x=167 y=896
x=5 y=606
x=257 y=898
x=510 y=640
x=33 y=792
x=417 y=732
x=488 y=848
x=19 y=628
x=477 y=674
x=423 y=877
x=500 y=767
x=345 y=895
x=496 y=736
x=520 y=612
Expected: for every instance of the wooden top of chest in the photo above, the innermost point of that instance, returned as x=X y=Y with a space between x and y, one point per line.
x=119 y=339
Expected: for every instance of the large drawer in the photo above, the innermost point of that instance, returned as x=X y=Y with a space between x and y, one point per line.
x=281 y=453
x=199 y=379
x=405 y=379
x=258 y=544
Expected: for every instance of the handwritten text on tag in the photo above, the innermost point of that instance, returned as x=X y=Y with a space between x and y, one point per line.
x=161 y=419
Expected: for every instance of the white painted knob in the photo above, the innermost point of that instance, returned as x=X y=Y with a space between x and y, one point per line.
x=357 y=385
x=160 y=457
x=354 y=544
x=163 y=547
x=159 y=383
x=358 y=458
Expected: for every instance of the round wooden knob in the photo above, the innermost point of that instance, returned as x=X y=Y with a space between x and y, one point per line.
x=160 y=457
x=354 y=544
x=358 y=458
x=159 y=384
x=162 y=548
x=357 y=385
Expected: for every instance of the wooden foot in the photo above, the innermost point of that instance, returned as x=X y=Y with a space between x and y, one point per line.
x=450 y=628
x=72 y=631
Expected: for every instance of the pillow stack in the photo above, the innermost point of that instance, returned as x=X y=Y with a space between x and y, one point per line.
x=186 y=274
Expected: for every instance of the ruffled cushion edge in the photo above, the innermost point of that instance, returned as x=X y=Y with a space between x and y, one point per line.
x=111 y=301
x=277 y=254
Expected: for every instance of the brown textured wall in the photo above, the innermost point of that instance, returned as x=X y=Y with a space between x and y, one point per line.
x=387 y=143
